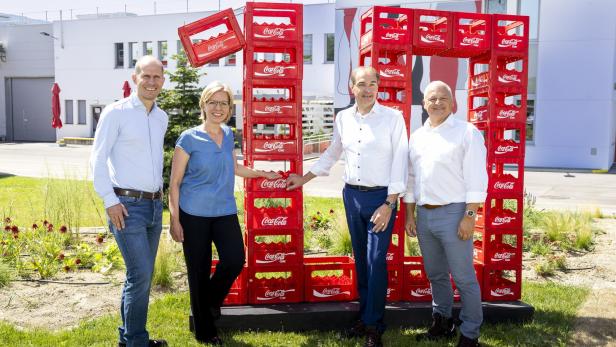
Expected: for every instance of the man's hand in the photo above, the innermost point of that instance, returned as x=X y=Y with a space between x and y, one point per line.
x=295 y=181
x=466 y=228
x=410 y=226
x=270 y=175
x=380 y=218
x=116 y=214
x=176 y=231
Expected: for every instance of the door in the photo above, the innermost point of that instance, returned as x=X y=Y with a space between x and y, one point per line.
x=31 y=109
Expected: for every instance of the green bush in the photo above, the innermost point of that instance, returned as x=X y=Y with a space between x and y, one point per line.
x=165 y=264
x=7 y=274
x=545 y=268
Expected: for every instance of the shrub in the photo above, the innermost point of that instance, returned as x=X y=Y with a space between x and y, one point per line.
x=7 y=273
x=165 y=264
x=583 y=239
x=545 y=268
x=341 y=243
x=540 y=248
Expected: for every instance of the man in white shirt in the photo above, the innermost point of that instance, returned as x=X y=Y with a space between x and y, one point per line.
x=127 y=163
x=447 y=181
x=374 y=141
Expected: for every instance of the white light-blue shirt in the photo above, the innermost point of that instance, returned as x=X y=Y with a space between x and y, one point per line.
x=128 y=149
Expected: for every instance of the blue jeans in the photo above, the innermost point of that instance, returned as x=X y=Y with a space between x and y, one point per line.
x=138 y=242
x=370 y=250
x=443 y=252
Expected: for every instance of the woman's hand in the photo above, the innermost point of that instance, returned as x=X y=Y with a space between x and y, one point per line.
x=176 y=231
x=270 y=175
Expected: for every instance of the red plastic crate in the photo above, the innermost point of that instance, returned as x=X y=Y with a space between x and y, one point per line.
x=238 y=294
x=499 y=217
x=214 y=47
x=416 y=286
x=288 y=65
x=265 y=185
x=432 y=31
x=510 y=33
x=275 y=284
x=267 y=107
x=478 y=272
x=274 y=218
x=267 y=249
x=386 y=25
x=497 y=287
x=267 y=24
x=498 y=253
x=395 y=251
x=395 y=282
x=471 y=35
x=328 y=287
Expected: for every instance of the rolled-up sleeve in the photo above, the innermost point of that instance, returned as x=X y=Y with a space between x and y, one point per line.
x=409 y=196
x=331 y=154
x=106 y=135
x=400 y=153
x=474 y=166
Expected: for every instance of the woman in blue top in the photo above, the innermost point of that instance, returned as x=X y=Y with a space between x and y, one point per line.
x=203 y=210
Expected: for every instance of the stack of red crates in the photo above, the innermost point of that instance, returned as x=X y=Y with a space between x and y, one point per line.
x=497 y=106
x=273 y=68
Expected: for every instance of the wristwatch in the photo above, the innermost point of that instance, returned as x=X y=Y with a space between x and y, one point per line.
x=391 y=205
x=470 y=213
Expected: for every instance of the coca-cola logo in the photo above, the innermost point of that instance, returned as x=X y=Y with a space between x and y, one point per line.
x=480 y=115
x=389 y=256
x=471 y=41
x=216 y=46
x=279 y=257
x=276 y=146
x=509 y=43
x=273 y=109
x=502 y=220
x=421 y=292
x=479 y=80
x=505 y=149
x=275 y=294
x=274 y=70
x=273 y=32
x=507 y=114
x=280 y=183
x=278 y=221
x=392 y=36
x=501 y=291
x=508 y=78
x=430 y=38
x=388 y=72
x=503 y=256
x=329 y=292
x=504 y=185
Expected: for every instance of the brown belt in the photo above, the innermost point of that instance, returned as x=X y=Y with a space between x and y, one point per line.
x=137 y=194
x=431 y=207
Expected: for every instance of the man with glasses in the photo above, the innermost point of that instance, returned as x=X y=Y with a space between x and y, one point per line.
x=374 y=141
x=127 y=163
x=448 y=182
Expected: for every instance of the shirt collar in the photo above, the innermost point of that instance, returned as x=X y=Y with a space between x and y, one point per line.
x=375 y=109
x=449 y=122
x=136 y=102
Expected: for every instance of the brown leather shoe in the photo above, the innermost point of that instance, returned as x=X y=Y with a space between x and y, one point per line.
x=373 y=338
x=441 y=328
x=357 y=330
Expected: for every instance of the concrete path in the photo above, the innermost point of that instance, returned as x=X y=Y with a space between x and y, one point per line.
x=553 y=189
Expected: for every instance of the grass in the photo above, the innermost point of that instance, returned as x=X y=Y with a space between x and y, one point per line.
x=165 y=264
x=7 y=273
x=555 y=306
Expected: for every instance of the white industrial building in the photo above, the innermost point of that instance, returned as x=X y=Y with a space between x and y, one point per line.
x=91 y=57
x=572 y=73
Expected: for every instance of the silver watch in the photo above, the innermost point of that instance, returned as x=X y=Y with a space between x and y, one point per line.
x=391 y=205
x=470 y=213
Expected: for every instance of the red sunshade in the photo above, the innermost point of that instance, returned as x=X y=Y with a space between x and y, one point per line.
x=56 y=122
x=126 y=89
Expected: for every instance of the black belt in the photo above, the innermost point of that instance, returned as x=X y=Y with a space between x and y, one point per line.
x=137 y=194
x=364 y=188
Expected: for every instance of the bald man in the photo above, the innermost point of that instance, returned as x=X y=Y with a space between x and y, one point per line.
x=374 y=142
x=127 y=163
x=447 y=181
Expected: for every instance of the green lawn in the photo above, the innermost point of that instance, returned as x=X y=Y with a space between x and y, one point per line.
x=555 y=306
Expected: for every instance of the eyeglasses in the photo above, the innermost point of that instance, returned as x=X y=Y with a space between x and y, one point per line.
x=222 y=104
x=434 y=100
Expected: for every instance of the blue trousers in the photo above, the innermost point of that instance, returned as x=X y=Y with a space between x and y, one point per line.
x=443 y=252
x=370 y=250
x=138 y=243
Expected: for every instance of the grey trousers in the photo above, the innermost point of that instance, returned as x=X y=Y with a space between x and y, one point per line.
x=443 y=253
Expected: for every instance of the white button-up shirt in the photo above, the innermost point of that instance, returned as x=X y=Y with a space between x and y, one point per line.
x=128 y=149
x=447 y=164
x=375 y=147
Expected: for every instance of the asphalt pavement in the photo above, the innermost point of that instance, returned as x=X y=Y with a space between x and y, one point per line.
x=557 y=189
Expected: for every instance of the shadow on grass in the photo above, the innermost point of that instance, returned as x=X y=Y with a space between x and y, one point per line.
x=5 y=175
x=594 y=331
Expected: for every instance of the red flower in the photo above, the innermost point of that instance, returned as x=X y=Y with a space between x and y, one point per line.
x=49 y=227
x=331 y=211
x=61 y=256
x=63 y=229
x=99 y=239
x=7 y=228
x=34 y=226
x=77 y=261
x=67 y=268
x=7 y=220
x=318 y=212
x=16 y=235
x=45 y=222
x=15 y=229
x=314 y=218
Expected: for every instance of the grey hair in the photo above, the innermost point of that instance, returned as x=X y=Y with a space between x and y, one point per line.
x=368 y=69
x=438 y=84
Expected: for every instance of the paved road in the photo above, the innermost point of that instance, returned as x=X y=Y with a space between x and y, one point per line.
x=553 y=190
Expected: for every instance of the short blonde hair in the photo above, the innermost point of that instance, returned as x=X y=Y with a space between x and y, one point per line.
x=209 y=91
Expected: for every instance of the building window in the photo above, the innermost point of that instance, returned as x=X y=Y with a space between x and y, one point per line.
x=68 y=111
x=119 y=55
x=214 y=63
x=308 y=49
x=230 y=60
x=329 y=48
x=133 y=54
x=81 y=111
x=530 y=120
x=147 y=48
x=162 y=52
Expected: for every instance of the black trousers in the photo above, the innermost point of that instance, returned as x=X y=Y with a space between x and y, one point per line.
x=210 y=291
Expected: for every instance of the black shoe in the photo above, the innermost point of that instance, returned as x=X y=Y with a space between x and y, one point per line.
x=466 y=342
x=152 y=343
x=357 y=330
x=373 y=338
x=442 y=328
x=214 y=341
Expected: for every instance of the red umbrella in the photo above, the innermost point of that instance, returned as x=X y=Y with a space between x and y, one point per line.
x=126 y=88
x=56 y=122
